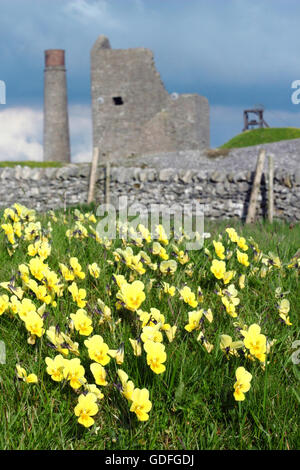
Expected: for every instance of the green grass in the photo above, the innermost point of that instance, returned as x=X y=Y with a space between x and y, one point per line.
x=262 y=136
x=192 y=401
x=31 y=164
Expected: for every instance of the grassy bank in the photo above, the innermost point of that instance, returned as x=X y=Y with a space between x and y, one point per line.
x=193 y=405
x=262 y=136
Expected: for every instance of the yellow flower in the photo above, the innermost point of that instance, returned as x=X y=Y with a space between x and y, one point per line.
x=255 y=342
x=242 y=281
x=242 y=384
x=76 y=268
x=218 y=268
x=24 y=272
x=118 y=354
x=99 y=373
x=230 y=307
x=86 y=408
x=168 y=267
x=219 y=249
x=242 y=244
x=82 y=322
x=56 y=340
x=78 y=295
x=228 y=346
x=151 y=319
x=74 y=373
x=94 y=270
x=152 y=333
x=9 y=232
x=67 y=274
x=283 y=309
x=145 y=233
x=14 y=304
x=24 y=307
x=169 y=289
x=242 y=258
x=208 y=315
x=97 y=349
x=17 y=229
x=92 y=388
x=162 y=236
x=194 y=320
x=127 y=386
x=33 y=249
x=136 y=346
x=231 y=293
x=188 y=297
x=228 y=276
x=37 y=268
x=182 y=257
x=56 y=367
x=4 y=303
x=39 y=291
x=52 y=282
x=34 y=324
x=44 y=250
x=232 y=234
x=208 y=346
x=157 y=249
x=132 y=295
x=90 y=217
x=22 y=374
x=105 y=312
x=71 y=345
x=170 y=332
x=141 y=405
x=119 y=279
x=156 y=355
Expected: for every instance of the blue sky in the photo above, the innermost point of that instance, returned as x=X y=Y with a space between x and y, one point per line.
x=237 y=53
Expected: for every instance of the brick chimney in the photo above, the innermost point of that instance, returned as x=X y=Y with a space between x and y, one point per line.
x=56 y=123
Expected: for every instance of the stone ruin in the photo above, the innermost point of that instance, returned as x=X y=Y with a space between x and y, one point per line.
x=132 y=112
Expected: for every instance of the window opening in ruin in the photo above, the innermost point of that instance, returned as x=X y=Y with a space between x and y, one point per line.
x=117 y=100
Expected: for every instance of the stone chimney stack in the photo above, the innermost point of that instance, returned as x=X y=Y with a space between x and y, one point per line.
x=56 y=123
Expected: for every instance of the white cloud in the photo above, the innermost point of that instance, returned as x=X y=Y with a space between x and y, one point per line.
x=21 y=130
x=21 y=133
x=80 y=121
x=87 y=11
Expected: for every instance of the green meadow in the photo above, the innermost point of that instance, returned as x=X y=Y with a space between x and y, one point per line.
x=193 y=400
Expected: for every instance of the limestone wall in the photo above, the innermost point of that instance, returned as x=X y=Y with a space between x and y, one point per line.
x=224 y=195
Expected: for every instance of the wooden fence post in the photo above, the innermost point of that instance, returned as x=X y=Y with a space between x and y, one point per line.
x=270 y=188
x=256 y=186
x=94 y=166
x=107 y=181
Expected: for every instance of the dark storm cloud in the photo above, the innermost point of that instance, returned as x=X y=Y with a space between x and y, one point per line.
x=235 y=52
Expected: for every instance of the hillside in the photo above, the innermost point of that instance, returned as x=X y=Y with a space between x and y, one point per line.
x=262 y=136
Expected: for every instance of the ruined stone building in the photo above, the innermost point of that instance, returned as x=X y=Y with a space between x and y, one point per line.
x=131 y=110
x=133 y=113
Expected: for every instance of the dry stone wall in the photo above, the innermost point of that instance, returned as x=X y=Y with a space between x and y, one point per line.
x=223 y=194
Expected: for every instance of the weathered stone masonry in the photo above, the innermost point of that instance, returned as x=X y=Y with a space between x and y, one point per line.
x=223 y=195
x=132 y=111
